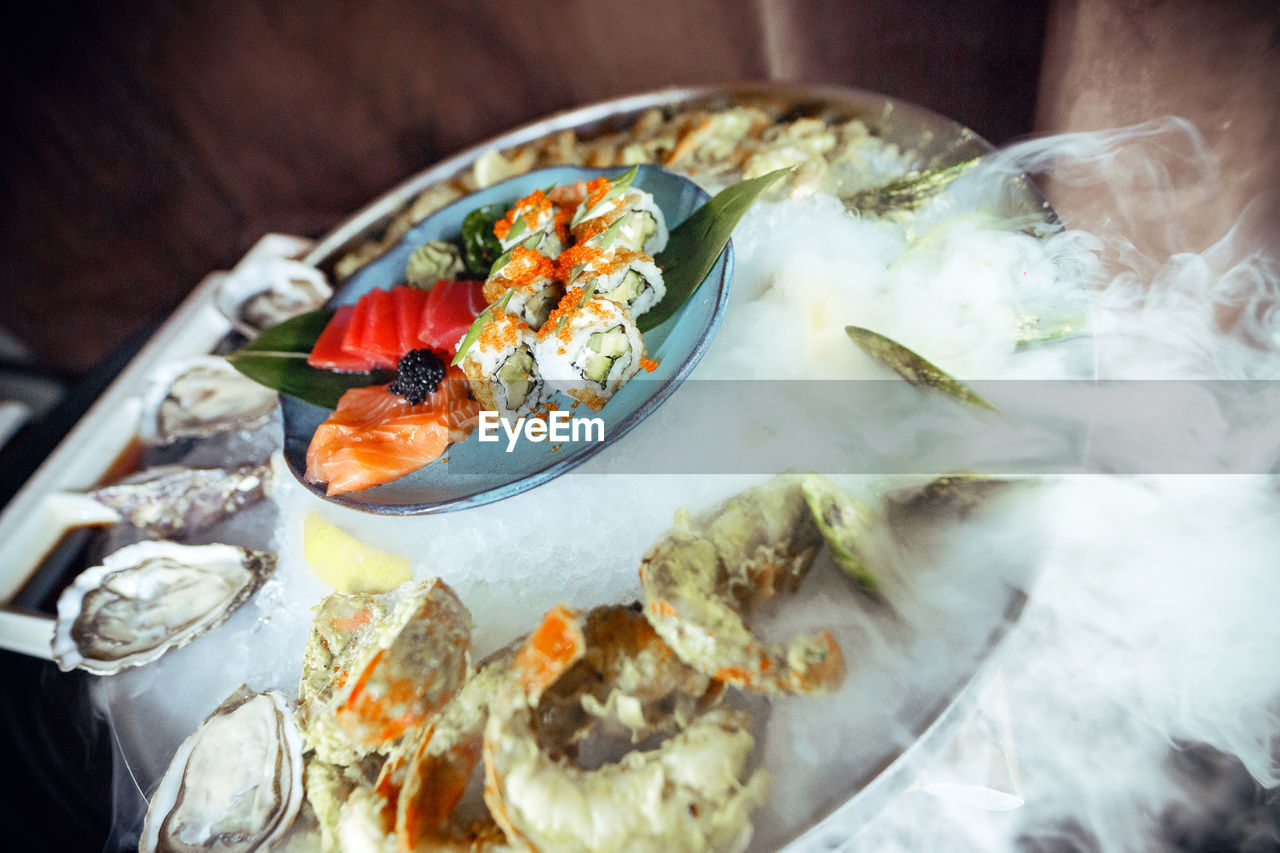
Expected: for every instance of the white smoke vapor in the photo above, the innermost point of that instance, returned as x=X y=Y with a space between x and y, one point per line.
x=1131 y=175
x=1143 y=675
x=1149 y=630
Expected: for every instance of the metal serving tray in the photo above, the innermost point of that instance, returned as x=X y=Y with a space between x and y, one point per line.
x=36 y=520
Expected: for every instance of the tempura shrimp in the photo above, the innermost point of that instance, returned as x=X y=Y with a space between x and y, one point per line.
x=703 y=579
x=688 y=794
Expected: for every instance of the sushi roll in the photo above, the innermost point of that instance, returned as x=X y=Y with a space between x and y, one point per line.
x=531 y=278
x=631 y=215
x=533 y=300
x=626 y=277
x=589 y=348
x=535 y=223
x=502 y=369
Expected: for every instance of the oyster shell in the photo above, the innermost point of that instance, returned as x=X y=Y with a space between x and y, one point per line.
x=235 y=784
x=200 y=397
x=260 y=294
x=170 y=501
x=150 y=597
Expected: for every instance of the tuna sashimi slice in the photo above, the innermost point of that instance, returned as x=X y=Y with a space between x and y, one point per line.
x=409 y=304
x=328 y=354
x=375 y=437
x=451 y=308
x=381 y=338
x=351 y=339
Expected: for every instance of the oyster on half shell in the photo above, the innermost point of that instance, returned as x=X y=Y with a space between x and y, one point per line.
x=200 y=397
x=235 y=784
x=171 y=501
x=150 y=597
x=259 y=294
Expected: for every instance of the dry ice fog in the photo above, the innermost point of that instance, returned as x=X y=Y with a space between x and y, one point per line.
x=1111 y=709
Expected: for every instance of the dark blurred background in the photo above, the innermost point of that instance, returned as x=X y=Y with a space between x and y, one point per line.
x=148 y=144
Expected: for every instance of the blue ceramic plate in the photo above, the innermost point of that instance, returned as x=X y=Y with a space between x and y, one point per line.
x=478 y=473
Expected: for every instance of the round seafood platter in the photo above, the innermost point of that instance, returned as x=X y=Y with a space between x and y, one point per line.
x=516 y=650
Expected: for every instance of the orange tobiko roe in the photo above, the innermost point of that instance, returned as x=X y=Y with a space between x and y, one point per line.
x=527 y=266
x=596 y=190
x=563 y=215
x=576 y=256
x=535 y=205
x=502 y=331
x=571 y=303
x=567 y=306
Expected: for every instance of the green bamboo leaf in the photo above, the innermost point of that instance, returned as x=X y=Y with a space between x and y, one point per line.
x=697 y=242
x=915 y=369
x=910 y=192
x=277 y=358
x=296 y=335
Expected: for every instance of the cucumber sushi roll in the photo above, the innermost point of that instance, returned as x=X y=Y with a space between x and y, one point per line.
x=589 y=348
x=531 y=279
x=501 y=368
x=630 y=213
x=626 y=277
x=535 y=223
x=532 y=301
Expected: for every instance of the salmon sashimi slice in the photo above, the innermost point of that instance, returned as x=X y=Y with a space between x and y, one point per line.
x=375 y=437
x=372 y=463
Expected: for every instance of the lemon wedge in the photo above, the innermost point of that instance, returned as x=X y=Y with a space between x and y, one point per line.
x=347 y=564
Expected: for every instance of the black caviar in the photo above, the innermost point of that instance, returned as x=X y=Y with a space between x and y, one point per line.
x=418 y=375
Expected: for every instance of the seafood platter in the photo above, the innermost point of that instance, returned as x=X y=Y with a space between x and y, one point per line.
x=323 y=615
